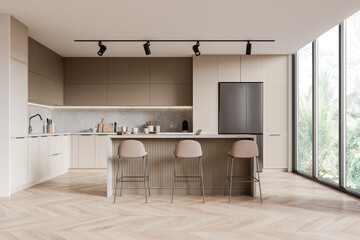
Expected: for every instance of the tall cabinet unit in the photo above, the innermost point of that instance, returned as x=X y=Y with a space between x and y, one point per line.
x=272 y=70
x=19 y=168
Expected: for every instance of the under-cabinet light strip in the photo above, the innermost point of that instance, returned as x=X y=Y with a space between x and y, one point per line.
x=110 y=107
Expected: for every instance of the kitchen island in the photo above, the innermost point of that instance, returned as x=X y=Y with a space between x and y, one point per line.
x=160 y=149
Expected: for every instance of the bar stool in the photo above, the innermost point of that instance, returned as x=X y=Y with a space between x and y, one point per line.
x=132 y=149
x=242 y=149
x=188 y=149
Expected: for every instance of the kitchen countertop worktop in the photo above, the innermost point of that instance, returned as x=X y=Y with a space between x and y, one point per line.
x=184 y=135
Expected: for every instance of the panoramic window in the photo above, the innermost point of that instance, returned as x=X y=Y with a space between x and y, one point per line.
x=353 y=102
x=328 y=105
x=305 y=109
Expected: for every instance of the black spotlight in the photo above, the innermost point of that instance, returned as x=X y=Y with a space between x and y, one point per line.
x=196 y=48
x=147 y=48
x=102 y=49
x=248 y=48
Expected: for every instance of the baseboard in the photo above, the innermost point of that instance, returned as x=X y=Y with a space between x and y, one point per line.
x=104 y=170
x=185 y=191
x=33 y=183
x=266 y=170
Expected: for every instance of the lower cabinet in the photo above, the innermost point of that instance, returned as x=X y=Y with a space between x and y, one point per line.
x=33 y=159
x=43 y=157
x=89 y=151
x=19 y=162
x=275 y=151
x=36 y=159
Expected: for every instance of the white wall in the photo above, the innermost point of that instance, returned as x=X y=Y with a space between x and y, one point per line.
x=5 y=105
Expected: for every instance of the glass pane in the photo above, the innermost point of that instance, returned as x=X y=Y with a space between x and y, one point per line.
x=328 y=104
x=353 y=102
x=305 y=109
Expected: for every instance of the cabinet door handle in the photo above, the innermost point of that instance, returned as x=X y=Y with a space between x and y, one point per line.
x=275 y=134
x=55 y=154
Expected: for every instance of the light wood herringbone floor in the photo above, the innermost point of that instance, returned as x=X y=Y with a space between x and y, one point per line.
x=73 y=206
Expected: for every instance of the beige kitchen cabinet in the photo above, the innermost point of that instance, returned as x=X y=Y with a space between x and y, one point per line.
x=33 y=159
x=101 y=151
x=55 y=164
x=129 y=70
x=55 y=145
x=205 y=69
x=171 y=70
x=251 y=68
x=178 y=94
x=85 y=94
x=66 y=152
x=43 y=172
x=55 y=151
x=275 y=151
x=276 y=68
x=18 y=41
x=87 y=151
x=86 y=70
x=74 y=143
x=19 y=98
x=19 y=163
x=128 y=94
x=205 y=107
x=229 y=68
x=276 y=108
x=46 y=75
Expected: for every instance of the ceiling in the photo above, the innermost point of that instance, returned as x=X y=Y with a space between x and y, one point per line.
x=292 y=24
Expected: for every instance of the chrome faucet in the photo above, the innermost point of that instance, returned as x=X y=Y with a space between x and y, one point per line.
x=30 y=128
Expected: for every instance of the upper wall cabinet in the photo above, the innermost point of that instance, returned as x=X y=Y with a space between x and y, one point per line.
x=229 y=68
x=86 y=70
x=206 y=69
x=45 y=62
x=252 y=68
x=46 y=75
x=171 y=70
x=276 y=68
x=128 y=81
x=179 y=94
x=128 y=70
x=19 y=41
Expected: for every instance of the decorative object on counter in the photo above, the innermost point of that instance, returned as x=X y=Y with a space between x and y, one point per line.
x=157 y=128
x=115 y=129
x=135 y=130
x=93 y=129
x=198 y=132
x=146 y=130
x=150 y=126
x=185 y=126
x=50 y=128
x=132 y=133
x=105 y=127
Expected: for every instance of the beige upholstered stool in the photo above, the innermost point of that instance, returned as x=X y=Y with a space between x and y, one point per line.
x=188 y=149
x=130 y=149
x=242 y=149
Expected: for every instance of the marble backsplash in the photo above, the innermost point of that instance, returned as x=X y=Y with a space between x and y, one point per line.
x=81 y=120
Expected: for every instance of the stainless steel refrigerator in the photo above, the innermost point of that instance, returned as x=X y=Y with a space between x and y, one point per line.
x=241 y=110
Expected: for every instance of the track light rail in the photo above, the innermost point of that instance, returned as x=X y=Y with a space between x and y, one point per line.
x=173 y=40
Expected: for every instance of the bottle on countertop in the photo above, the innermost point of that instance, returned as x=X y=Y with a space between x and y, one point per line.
x=115 y=128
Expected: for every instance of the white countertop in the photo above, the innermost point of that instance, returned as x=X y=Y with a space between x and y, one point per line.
x=185 y=135
x=160 y=135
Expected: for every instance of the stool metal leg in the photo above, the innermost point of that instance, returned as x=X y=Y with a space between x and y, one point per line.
x=147 y=172
x=121 y=165
x=117 y=175
x=202 y=179
x=173 y=183
x=145 y=182
x=257 y=169
x=226 y=175
x=231 y=175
